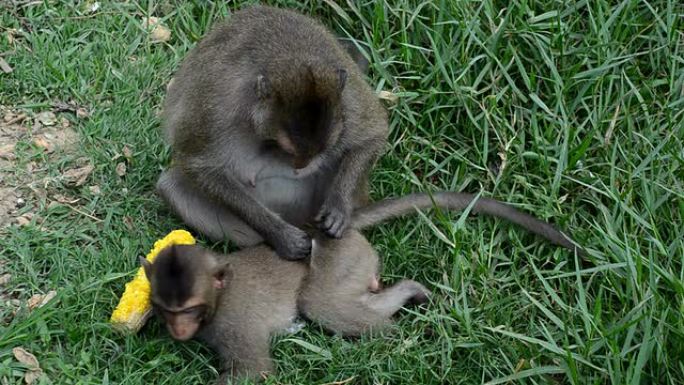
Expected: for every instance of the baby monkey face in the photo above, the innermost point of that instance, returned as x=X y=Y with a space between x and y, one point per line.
x=181 y=322
x=185 y=282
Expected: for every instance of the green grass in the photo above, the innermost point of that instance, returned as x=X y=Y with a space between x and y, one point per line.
x=570 y=110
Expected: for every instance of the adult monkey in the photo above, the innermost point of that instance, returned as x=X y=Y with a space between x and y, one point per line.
x=272 y=128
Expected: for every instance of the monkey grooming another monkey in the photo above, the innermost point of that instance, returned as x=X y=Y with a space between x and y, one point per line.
x=236 y=302
x=272 y=127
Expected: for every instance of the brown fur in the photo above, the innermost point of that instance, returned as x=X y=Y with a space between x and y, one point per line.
x=261 y=295
x=252 y=294
x=261 y=75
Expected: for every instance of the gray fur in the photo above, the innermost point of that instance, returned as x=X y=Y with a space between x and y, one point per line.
x=391 y=208
x=220 y=109
x=336 y=291
x=265 y=293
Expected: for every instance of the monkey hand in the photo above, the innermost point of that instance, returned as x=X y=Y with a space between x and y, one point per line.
x=334 y=216
x=292 y=243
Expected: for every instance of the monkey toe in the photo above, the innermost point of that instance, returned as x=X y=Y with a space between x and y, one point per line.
x=329 y=221
x=421 y=296
x=295 y=253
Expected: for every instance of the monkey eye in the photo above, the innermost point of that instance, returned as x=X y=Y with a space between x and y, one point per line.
x=195 y=310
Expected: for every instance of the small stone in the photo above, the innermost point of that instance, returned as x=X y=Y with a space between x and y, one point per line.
x=77 y=176
x=121 y=169
x=7 y=152
x=158 y=32
x=82 y=113
x=40 y=300
x=24 y=219
x=47 y=118
x=389 y=96
x=20 y=203
x=127 y=153
x=6 y=68
x=42 y=142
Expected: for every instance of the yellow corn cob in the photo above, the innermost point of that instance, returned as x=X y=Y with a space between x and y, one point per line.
x=134 y=306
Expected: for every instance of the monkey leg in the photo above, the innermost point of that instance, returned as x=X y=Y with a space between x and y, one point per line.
x=201 y=213
x=389 y=301
x=245 y=354
x=355 y=314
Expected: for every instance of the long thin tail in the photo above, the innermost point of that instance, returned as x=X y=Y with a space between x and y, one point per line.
x=386 y=209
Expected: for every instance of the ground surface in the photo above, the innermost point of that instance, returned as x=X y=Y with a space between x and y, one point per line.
x=570 y=110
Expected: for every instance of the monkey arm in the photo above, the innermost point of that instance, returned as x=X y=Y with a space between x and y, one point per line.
x=334 y=215
x=230 y=192
x=288 y=241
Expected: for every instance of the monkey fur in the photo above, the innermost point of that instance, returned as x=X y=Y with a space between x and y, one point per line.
x=237 y=302
x=272 y=126
x=240 y=135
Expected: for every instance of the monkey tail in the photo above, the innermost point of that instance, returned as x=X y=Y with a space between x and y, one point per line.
x=385 y=209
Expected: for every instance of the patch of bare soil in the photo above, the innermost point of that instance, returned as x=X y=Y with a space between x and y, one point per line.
x=21 y=179
x=29 y=141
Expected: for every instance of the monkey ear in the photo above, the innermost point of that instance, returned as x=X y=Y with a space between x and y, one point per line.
x=263 y=87
x=342 y=78
x=222 y=274
x=147 y=266
x=356 y=54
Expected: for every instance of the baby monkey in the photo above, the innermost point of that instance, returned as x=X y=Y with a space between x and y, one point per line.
x=236 y=302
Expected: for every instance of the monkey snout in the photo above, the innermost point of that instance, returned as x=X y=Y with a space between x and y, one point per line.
x=182 y=333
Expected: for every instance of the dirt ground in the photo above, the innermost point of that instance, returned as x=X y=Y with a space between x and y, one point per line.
x=27 y=141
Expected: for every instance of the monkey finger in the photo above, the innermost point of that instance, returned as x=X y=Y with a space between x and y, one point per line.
x=293 y=256
x=303 y=251
x=329 y=222
x=338 y=227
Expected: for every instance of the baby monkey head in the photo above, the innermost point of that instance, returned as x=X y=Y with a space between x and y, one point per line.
x=299 y=109
x=186 y=282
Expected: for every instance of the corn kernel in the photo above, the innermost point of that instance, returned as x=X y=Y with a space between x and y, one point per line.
x=134 y=307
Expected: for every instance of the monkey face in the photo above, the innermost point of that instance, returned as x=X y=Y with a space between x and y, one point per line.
x=304 y=131
x=299 y=114
x=182 y=323
x=185 y=282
